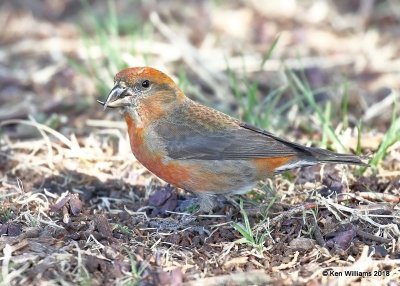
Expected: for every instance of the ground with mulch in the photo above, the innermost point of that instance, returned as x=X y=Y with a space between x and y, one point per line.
x=76 y=206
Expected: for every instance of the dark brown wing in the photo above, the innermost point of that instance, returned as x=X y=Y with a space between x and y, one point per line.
x=205 y=134
x=240 y=143
x=199 y=132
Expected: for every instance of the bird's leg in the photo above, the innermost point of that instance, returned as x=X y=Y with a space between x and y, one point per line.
x=207 y=202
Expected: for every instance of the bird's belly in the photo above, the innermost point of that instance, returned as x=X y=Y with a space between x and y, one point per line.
x=220 y=176
x=208 y=176
x=204 y=176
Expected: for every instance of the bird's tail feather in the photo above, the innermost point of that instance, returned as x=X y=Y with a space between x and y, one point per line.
x=314 y=156
x=325 y=156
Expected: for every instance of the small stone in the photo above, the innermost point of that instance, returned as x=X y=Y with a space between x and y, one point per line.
x=302 y=244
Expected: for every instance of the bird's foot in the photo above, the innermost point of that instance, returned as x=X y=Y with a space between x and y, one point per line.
x=204 y=203
x=207 y=202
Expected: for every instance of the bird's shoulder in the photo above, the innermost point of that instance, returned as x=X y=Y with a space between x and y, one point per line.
x=200 y=117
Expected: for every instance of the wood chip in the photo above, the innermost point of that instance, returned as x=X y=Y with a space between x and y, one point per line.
x=103 y=226
x=236 y=260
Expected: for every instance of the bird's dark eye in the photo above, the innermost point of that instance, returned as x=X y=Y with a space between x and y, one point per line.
x=145 y=83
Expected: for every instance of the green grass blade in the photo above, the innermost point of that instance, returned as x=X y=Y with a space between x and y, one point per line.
x=267 y=55
x=308 y=95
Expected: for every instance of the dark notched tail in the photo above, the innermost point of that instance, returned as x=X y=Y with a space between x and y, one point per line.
x=325 y=156
x=311 y=155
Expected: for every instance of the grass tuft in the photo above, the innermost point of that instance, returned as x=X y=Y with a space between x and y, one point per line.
x=252 y=239
x=109 y=46
x=392 y=136
x=135 y=276
x=303 y=90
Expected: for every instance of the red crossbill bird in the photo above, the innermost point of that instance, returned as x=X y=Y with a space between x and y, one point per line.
x=200 y=149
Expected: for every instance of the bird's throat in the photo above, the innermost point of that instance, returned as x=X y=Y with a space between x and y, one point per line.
x=131 y=114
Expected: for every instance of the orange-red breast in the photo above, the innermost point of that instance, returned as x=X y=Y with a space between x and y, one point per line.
x=198 y=148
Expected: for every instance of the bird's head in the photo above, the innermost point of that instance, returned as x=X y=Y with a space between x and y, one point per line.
x=143 y=87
